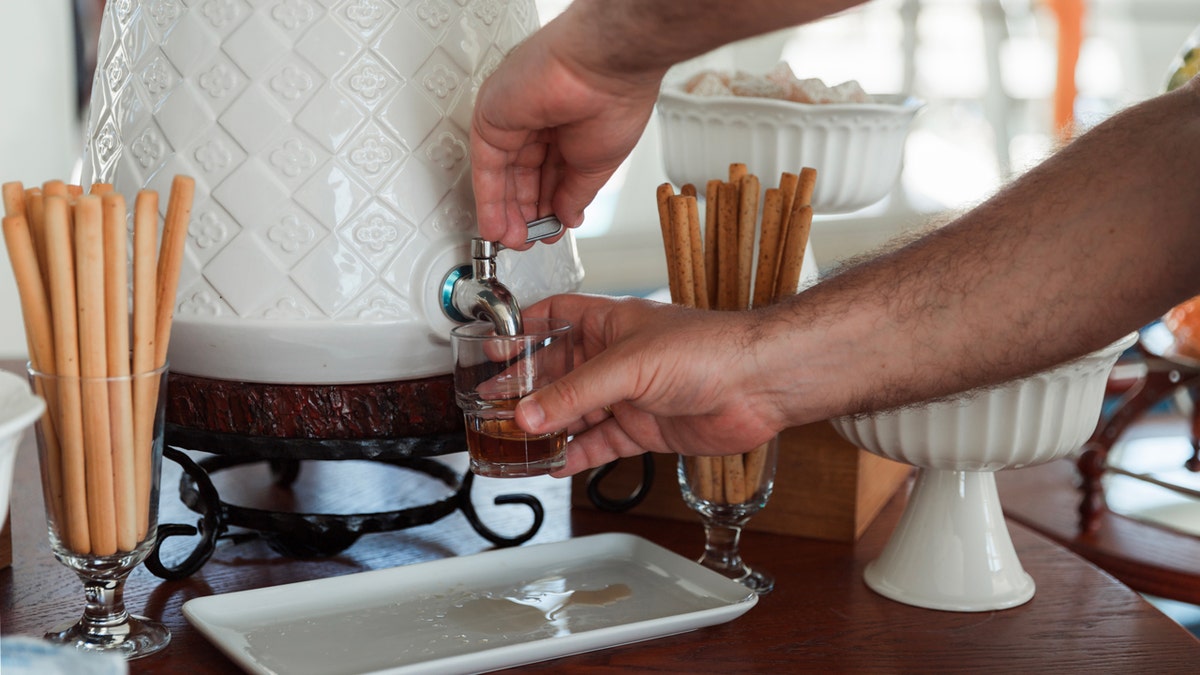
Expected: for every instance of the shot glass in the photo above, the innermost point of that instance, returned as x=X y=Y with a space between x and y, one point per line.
x=491 y=374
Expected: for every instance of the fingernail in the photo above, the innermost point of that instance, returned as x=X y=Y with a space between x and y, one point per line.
x=532 y=411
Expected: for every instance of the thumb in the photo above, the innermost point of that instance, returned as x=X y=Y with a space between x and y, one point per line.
x=564 y=402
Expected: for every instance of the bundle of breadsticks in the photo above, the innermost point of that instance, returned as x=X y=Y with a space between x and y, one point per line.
x=716 y=269
x=69 y=254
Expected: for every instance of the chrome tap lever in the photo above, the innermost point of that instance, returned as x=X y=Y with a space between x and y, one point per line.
x=543 y=228
x=474 y=292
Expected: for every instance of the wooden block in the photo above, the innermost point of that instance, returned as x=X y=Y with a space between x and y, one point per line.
x=825 y=488
x=6 y=545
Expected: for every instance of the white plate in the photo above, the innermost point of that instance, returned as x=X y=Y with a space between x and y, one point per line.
x=473 y=613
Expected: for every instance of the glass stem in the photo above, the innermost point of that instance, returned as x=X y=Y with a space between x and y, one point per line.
x=105 y=606
x=721 y=549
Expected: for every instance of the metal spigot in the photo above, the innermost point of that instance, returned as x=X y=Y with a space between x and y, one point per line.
x=473 y=291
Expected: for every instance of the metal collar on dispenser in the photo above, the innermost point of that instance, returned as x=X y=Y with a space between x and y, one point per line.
x=473 y=291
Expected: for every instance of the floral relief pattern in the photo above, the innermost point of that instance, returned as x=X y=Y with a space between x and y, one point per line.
x=365 y=13
x=455 y=219
x=220 y=13
x=292 y=14
x=213 y=155
x=208 y=231
x=286 y=308
x=291 y=83
x=433 y=12
x=115 y=72
x=447 y=151
x=106 y=142
x=488 y=10
x=290 y=234
x=219 y=80
x=293 y=158
x=441 y=81
x=147 y=149
x=377 y=233
x=201 y=303
x=380 y=309
x=157 y=78
x=123 y=8
x=163 y=12
x=369 y=82
x=371 y=156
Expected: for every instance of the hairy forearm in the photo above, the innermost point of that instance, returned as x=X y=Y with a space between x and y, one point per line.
x=636 y=37
x=1094 y=243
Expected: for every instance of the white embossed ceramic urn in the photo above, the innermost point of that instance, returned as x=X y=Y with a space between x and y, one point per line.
x=328 y=141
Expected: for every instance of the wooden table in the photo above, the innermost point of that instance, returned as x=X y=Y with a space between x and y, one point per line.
x=821 y=617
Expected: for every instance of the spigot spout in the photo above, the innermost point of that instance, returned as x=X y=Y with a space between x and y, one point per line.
x=474 y=292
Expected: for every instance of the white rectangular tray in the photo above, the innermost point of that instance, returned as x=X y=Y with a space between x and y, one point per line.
x=474 y=613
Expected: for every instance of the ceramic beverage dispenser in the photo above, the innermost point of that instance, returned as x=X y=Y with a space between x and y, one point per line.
x=329 y=144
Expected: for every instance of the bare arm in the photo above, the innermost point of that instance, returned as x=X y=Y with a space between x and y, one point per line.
x=563 y=111
x=1099 y=240
x=1094 y=243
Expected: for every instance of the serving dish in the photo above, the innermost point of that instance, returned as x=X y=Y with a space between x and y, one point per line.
x=856 y=148
x=951 y=549
x=19 y=408
x=492 y=610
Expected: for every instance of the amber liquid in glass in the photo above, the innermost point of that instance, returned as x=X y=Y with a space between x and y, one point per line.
x=498 y=447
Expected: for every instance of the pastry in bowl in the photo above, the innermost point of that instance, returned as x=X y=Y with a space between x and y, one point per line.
x=855 y=140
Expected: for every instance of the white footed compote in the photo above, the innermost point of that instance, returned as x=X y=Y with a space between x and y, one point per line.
x=951 y=549
x=726 y=492
x=19 y=408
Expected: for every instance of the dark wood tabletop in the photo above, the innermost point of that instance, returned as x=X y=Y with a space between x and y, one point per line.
x=821 y=617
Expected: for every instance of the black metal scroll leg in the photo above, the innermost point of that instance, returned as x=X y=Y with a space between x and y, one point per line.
x=625 y=503
x=211 y=525
x=468 y=509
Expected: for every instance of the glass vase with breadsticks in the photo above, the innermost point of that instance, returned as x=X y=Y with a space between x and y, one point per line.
x=719 y=266
x=97 y=323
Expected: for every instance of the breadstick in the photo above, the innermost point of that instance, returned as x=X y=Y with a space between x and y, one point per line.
x=793 y=252
x=746 y=220
x=688 y=190
x=727 y=246
x=755 y=463
x=735 y=479
x=14 y=199
x=116 y=323
x=788 y=183
x=665 y=192
x=699 y=471
x=736 y=171
x=805 y=186
x=101 y=189
x=93 y=367
x=35 y=308
x=55 y=188
x=61 y=265
x=681 y=250
x=699 y=271
x=145 y=389
x=768 y=247
x=35 y=209
x=711 y=197
x=170 y=261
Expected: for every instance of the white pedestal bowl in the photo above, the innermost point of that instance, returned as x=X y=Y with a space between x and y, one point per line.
x=19 y=409
x=951 y=550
